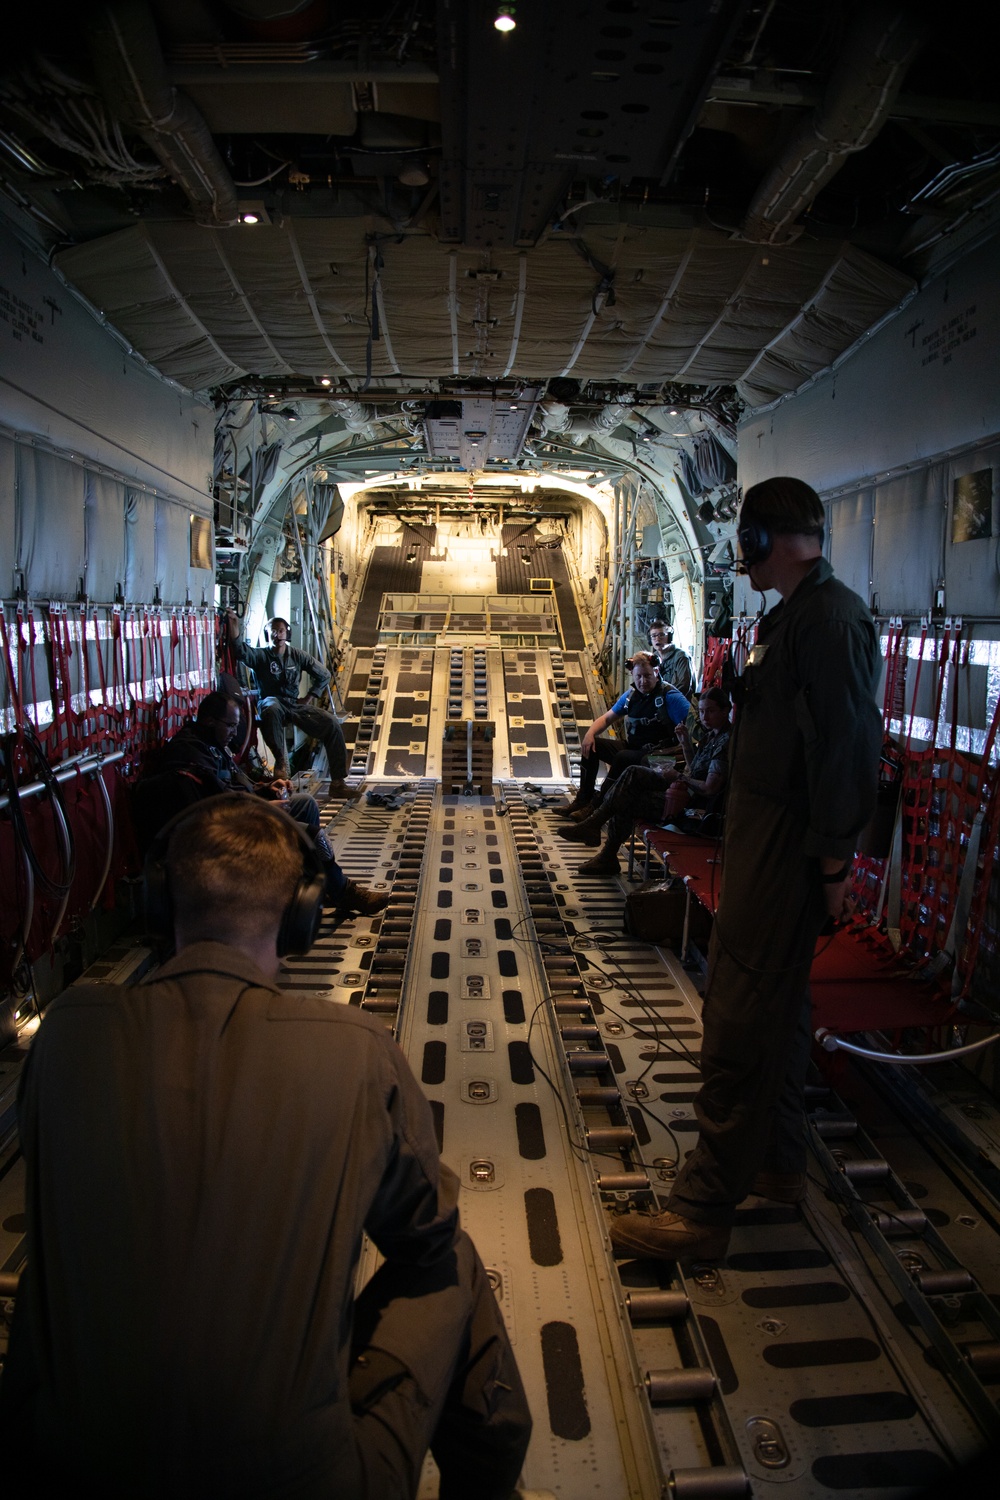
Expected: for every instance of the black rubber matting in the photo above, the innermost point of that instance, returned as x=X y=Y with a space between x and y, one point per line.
x=543 y=1227
x=564 y=1389
x=389 y=573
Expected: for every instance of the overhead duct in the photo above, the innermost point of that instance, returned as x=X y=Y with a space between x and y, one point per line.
x=130 y=70
x=602 y=424
x=855 y=106
x=354 y=416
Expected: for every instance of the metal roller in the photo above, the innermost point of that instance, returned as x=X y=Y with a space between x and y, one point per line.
x=387 y=1007
x=647 y=1306
x=8 y=1283
x=598 y=1095
x=579 y=1033
x=587 y=1062
x=984 y=1358
x=944 y=1283
x=835 y=1130
x=708 y=1484
x=623 y=1182
x=903 y=1221
x=865 y=1171
x=567 y=1007
x=612 y=1137
x=666 y=1387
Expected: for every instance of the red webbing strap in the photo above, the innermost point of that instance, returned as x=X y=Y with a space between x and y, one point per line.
x=942 y=677
x=63 y=728
x=961 y=653
x=896 y=649
x=225 y=650
x=28 y=647
x=916 y=687
x=12 y=684
x=987 y=845
x=118 y=692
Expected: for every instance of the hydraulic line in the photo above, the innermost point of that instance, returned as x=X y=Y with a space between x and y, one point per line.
x=54 y=888
x=832 y=1043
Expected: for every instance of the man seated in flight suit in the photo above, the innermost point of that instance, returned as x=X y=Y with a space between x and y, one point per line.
x=197 y=763
x=203 y=1151
x=803 y=773
x=673 y=666
x=278 y=668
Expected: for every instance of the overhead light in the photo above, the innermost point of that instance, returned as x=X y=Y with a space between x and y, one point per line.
x=505 y=18
x=249 y=218
x=325 y=380
x=673 y=411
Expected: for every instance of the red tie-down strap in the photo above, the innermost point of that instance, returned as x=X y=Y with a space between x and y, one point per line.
x=64 y=739
x=716 y=651
x=977 y=937
x=15 y=713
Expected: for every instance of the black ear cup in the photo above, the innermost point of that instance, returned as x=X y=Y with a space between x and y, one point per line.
x=299 y=921
x=158 y=909
x=301 y=917
x=755 y=542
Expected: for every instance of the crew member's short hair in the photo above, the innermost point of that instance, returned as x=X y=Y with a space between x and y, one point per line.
x=716 y=695
x=643 y=656
x=660 y=625
x=232 y=867
x=214 y=705
x=788 y=507
x=278 y=620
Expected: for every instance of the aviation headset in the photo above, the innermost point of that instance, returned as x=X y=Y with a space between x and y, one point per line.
x=275 y=620
x=756 y=531
x=756 y=542
x=301 y=917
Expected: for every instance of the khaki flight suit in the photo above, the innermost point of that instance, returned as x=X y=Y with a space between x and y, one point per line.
x=203 y=1152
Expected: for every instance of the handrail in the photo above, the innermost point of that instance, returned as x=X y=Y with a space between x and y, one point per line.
x=66 y=771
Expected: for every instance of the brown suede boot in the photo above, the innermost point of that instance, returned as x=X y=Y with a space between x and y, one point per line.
x=667 y=1236
x=605 y=863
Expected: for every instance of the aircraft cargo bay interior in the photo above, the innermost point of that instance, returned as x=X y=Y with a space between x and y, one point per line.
x=437 y=422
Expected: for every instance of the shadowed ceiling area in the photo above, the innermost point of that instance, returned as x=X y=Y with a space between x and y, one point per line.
x=328 y=197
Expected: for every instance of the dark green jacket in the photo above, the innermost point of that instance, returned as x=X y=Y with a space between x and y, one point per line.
x=808 y=732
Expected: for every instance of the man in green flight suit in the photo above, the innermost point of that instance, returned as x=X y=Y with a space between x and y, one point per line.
x=803 y=772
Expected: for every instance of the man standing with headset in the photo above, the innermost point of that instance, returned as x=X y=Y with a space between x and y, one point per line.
x=203 y=1152
x=802 y=784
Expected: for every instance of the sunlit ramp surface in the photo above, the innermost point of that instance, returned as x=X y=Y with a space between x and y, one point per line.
x=409 y=710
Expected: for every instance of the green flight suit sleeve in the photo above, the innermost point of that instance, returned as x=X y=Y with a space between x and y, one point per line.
x=837 y=662
x=318 y=675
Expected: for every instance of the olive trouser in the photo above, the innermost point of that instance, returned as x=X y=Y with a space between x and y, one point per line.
x=274 y=714
x=756 y=1015
x=432 y=1367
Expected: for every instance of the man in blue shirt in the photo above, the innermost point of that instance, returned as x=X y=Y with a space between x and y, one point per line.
x=651 y=713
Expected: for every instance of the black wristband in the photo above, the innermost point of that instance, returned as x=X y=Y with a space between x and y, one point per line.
x=838 y=875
